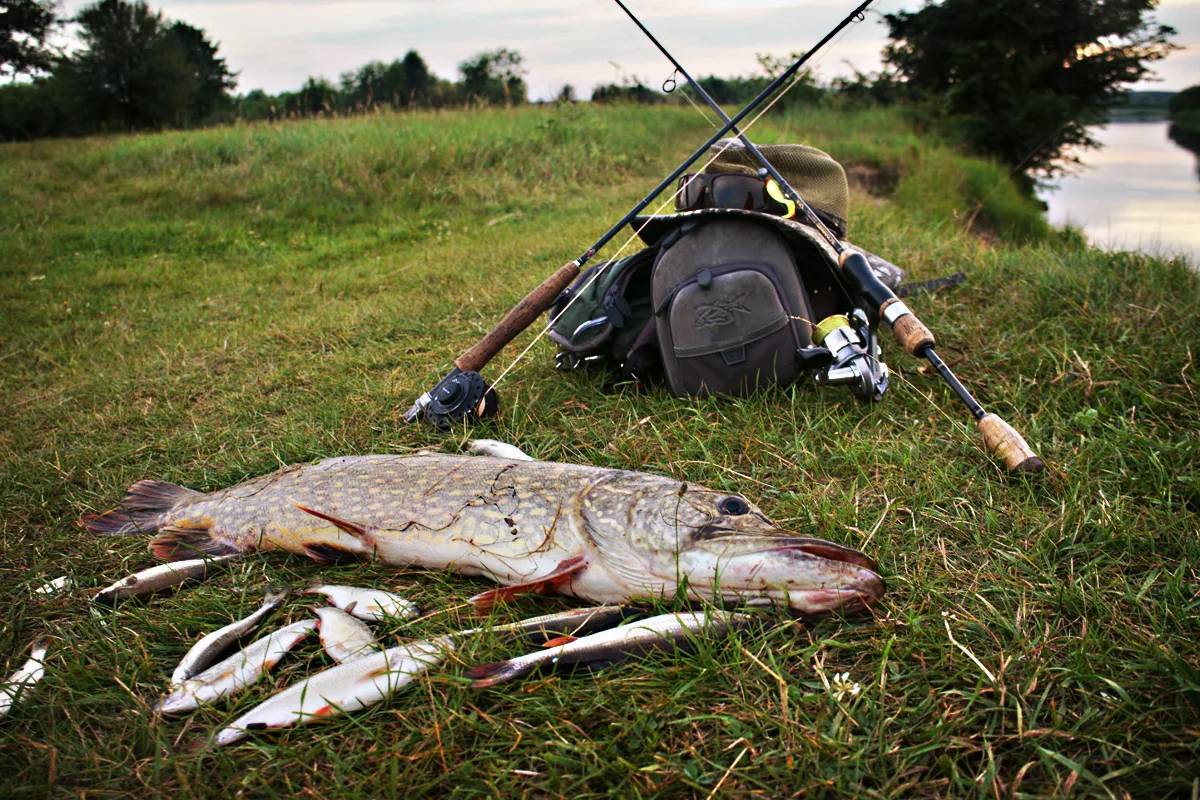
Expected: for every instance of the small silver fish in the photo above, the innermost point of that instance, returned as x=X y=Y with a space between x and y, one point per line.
x=343 y=637
x=55 y=586
x=20 y=681
x=573 y=623
x=235 y=673
x=160 y=577
x=665 y=631
x=344 y=688
x=210 y=647
x=495 y=449
x=369 y=604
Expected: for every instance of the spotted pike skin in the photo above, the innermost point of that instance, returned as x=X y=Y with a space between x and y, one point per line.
x=628 y=535
x=427 y=510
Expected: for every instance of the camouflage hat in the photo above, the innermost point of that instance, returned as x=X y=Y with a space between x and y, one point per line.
x=813 y=173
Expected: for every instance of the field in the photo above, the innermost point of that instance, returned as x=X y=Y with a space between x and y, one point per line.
x=202 y=307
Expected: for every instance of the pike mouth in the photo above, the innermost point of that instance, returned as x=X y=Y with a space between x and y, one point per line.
x=830 y=552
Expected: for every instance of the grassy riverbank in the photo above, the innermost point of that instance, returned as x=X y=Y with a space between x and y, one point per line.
x=202 y=307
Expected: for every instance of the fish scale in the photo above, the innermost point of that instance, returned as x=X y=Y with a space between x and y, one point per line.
x=604 y=535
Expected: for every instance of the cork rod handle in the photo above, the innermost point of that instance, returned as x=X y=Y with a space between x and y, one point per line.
x=518 y=319
x=1003 y=441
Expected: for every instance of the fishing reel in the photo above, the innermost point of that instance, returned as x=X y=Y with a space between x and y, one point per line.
x=461 y=396
x=856 y=360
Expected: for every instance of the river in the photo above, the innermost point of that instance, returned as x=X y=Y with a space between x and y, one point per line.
x=1140 y=191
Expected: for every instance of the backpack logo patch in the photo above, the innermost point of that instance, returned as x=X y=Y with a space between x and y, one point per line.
x=720 y=312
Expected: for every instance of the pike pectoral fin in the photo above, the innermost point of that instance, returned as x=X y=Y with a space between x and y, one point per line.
x=561 y=575
x=175 y=542
x=352 y=528
x=325 y=553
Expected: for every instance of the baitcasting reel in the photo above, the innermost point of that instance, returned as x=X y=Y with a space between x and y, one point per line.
x=856 y=363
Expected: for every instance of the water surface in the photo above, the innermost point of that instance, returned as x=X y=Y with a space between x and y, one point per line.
x=1140 y=192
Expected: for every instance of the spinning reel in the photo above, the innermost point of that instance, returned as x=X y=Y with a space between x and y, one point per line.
x=856 y=360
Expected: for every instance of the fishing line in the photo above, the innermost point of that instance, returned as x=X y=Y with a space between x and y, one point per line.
x=729 y=142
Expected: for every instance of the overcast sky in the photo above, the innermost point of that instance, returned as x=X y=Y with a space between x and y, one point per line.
x=275 y=46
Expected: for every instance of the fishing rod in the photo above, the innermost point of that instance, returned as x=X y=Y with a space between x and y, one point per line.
x=462 y=394
x=999 y=437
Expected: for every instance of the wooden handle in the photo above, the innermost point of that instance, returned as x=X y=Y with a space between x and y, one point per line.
x=518 y=319
x=1003 y=440
x=912 y=334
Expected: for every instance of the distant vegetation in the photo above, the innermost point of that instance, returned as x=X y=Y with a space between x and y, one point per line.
x=1018 y=81
x=1142 y=106
x=1184 y=113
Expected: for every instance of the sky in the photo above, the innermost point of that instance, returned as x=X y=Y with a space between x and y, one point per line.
x=275 y=46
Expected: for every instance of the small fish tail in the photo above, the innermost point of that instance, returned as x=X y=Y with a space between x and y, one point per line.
x=485 y=675
x=174 y=542
x=144 y=504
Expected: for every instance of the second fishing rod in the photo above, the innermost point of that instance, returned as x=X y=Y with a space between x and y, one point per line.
x=999 y=437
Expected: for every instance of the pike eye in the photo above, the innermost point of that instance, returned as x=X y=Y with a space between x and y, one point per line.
x=733 y=506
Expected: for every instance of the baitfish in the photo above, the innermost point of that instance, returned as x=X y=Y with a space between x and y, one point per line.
x=344 y=688
x=211 y=646
x=343 y=637
x=237 y=672
x=602 y=535
x=371 y=605
x=20 y=681
x=665 y=631
x=160 y=577
x=551 y=627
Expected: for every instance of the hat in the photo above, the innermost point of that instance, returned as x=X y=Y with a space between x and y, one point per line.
x=813 y=173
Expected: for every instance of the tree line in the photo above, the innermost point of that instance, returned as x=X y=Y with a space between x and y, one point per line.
x=1020 y=81
x=137 y=70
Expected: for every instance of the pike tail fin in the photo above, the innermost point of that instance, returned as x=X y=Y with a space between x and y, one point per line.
x=175 y=542
x=139 y=512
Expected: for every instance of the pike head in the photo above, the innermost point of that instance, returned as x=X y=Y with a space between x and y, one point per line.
x=655 y=535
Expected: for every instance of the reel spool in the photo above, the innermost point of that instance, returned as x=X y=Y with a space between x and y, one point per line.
x=460 y=397
x=856 y=364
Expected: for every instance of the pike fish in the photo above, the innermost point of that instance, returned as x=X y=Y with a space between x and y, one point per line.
x=665 y=631
x=602 y=535
x=344 y=688
x=235 y=673
x=30 y=673
x=159 y=577
x=343 y=637
x=213 y=645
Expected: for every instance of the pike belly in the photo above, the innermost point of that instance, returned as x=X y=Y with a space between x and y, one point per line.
x=509 y=520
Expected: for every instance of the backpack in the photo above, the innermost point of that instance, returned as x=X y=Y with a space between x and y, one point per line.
x=730 y=309
x=605 y=318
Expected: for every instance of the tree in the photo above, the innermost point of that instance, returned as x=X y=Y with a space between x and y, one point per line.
x=418 y=80
x=494 y=77
x=138 y=71
x=130 y=74
x=1025 y=78
x=210 y=75
x=24 y=27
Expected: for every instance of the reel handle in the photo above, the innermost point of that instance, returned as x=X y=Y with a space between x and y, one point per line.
x=520 y=317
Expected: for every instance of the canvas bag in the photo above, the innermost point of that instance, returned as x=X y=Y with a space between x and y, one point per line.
x=730 y=308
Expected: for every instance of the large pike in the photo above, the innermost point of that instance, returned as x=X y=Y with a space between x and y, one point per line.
x=603 y=535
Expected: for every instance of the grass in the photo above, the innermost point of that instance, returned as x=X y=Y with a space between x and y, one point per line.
x=202 y=307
